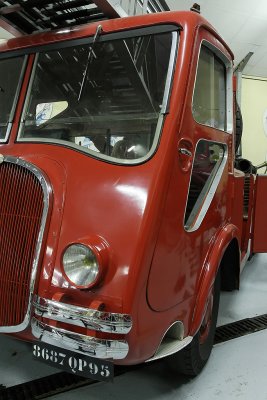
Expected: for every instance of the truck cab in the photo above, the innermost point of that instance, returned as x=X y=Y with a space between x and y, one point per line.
x=122 y=213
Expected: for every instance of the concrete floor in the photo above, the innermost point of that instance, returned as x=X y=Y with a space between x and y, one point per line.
x=236 y=370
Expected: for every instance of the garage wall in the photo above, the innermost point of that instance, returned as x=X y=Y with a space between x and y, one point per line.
x=253 y=106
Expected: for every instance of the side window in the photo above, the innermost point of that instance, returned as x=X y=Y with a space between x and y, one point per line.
x=209 y=100
x=10 y=72
x=210 y=159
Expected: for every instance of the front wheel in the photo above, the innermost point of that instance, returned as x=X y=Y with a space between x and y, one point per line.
x=191 y=360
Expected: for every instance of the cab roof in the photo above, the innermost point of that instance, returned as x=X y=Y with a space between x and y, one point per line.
x=181 y=19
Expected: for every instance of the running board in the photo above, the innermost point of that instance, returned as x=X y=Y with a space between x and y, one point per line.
x=170 y=346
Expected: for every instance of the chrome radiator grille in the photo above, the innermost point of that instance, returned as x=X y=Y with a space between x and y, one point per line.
x=21 y=213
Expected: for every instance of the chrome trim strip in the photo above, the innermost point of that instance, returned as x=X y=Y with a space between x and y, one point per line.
x=47 y=190
x=8 y=131
x=203 y=202
x=170 y=73
x=87 y=345
x=85 y=317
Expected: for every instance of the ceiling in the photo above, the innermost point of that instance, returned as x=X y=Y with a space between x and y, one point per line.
x=28 y=16
x=241 y=23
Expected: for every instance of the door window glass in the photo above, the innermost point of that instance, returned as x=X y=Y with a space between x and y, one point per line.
x=209 y=162
x=209 y=100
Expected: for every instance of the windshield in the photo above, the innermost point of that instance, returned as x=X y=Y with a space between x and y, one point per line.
x=116 y=116
x=10 y=72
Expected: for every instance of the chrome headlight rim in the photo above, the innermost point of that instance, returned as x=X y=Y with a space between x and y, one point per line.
x=99 y=260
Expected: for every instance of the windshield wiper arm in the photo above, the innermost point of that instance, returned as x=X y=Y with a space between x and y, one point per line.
x=89 y=59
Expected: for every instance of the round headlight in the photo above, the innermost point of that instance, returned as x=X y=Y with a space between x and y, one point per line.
x=81 y=265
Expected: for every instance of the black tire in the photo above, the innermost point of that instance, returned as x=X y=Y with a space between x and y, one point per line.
x=191 y=360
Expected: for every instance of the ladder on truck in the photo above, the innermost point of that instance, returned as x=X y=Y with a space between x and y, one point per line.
x=27 y=16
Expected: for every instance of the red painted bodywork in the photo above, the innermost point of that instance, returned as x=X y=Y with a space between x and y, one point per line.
x=260 y=226
x=157 y=272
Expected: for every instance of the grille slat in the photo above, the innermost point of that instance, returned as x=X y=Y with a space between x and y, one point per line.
x=21 y=210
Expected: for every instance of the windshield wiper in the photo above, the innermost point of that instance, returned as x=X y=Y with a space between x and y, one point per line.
x=89 y=59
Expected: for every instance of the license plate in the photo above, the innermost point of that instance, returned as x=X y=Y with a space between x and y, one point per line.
x=75 y=363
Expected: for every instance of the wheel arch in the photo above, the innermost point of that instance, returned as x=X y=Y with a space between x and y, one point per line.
x=225 y=245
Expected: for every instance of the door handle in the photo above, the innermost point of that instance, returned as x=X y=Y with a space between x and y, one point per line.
x=185 y=151
x=185 y=154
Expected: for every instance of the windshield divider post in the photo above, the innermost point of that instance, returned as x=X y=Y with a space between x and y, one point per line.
x=89 y=59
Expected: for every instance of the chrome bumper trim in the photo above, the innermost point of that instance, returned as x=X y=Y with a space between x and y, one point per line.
x=87 y=345
x=85 y=317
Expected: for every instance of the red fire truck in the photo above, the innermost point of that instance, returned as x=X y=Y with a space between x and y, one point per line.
x=122 y=212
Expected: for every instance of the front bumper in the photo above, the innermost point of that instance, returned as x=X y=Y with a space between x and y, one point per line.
x=85 y=317
x=87 y=345
x=91 y=319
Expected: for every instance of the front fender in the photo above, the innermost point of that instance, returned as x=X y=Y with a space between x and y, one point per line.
x=209 y=271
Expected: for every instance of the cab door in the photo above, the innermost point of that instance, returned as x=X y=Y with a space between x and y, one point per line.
x=197 y=202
